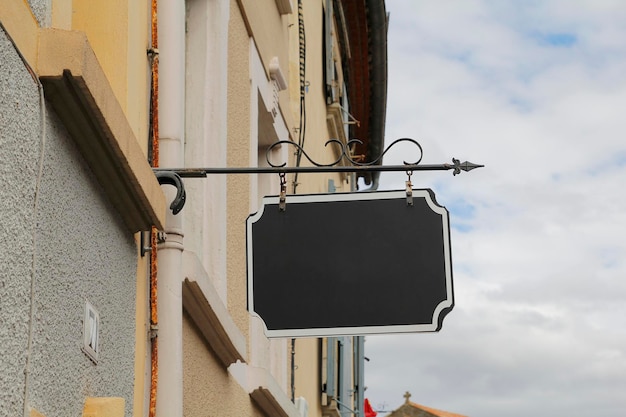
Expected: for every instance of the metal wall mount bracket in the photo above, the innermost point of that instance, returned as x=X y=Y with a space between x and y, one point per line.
x=173 y=176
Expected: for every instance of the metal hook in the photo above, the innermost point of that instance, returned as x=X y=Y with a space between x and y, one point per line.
x=282 y=203
x=172 y=178
x=409 y=189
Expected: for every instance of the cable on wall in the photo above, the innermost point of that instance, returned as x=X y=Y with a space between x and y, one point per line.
x=42 y=151
x=303 y=88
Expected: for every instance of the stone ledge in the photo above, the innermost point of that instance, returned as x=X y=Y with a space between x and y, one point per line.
x=79 y=92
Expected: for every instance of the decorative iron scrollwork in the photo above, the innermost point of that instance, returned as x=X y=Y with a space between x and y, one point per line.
x=352 y=164
x=344 y=153
x=173 y=176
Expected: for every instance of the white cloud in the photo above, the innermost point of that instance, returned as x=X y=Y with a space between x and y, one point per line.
x=534 y=90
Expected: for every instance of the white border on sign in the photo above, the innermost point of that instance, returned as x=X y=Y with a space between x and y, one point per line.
x=361 y=330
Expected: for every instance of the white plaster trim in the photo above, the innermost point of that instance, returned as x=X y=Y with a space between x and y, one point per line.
x=206 y=142
x=276 y=74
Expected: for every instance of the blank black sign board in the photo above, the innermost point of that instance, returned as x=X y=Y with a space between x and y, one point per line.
x=349 y=264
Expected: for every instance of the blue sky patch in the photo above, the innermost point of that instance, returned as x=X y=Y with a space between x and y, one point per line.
x=562 y=40
x=461 y=227
x=617 y=160
x=520 y=104
x=620 y=159
x=461 y=209
x=461 y=215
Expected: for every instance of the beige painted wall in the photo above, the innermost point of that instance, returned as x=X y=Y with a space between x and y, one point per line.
x=208 y=389
x=316 y=128
x=271 y=32
x=238 y=186
x=118 y=31
x=307 y=381
x=138 y=71
x=106 y=25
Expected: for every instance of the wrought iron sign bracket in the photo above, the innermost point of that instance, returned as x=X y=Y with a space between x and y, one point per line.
x=173 y=176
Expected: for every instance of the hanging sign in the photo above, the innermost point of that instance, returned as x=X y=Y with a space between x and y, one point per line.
x=349 y=264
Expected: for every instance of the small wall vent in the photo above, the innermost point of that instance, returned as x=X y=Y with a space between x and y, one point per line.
x=91 y=328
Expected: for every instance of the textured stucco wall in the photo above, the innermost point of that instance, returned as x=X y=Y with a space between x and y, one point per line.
x=78 y=249
x=83 y=253
x=19 y=150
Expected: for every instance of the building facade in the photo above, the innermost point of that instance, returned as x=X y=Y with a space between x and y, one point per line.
x=111 y=304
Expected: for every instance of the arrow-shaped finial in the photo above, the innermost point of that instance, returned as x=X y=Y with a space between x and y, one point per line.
x=464 y=166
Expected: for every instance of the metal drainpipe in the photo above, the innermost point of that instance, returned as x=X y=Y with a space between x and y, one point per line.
x=171 y=28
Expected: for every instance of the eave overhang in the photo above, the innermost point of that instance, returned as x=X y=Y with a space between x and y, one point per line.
x=366 y=72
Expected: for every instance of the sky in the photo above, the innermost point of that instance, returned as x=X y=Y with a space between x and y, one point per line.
x=535 y=91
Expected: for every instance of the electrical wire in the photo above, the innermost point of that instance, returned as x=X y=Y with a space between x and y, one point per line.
x=301 y=136
x=42 y=151
x=303 y=87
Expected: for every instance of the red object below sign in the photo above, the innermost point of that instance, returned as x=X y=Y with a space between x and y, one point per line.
x=367 y=408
